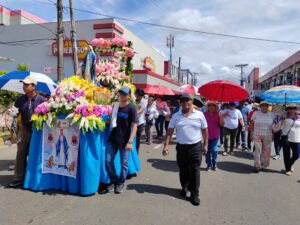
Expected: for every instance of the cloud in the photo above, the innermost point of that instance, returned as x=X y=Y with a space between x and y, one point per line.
x=192 y=19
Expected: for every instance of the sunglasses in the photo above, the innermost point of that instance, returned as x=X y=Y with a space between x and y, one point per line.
x=293 y=108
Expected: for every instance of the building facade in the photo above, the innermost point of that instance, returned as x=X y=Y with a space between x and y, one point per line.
x=286 y=73
x=37 y=47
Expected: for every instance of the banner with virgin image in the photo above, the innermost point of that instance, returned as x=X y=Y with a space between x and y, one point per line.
x=60 y=149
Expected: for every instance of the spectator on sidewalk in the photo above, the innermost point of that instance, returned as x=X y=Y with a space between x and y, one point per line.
x=26 y=104
x=192 y=137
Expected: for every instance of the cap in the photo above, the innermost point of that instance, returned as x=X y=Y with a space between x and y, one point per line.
x=186 y=96
x=264 y=103
x=292 y=105
x=231 y=103
x=29 y=80
x=125 y=90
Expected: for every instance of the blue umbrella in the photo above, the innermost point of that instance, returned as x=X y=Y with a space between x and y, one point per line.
x=283 y=94
x=11 y=81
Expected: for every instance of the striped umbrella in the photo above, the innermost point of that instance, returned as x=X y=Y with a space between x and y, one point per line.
x=283 y=94
x=11 y=81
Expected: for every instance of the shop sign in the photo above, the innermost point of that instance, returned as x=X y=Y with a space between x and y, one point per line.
x=82 y=47
x=149 y=64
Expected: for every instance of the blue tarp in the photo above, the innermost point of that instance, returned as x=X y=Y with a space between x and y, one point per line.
x=91 y=165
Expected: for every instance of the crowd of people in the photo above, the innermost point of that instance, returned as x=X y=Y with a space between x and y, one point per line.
x=228 y=126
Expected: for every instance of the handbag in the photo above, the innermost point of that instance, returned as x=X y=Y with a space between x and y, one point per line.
x=149 y=121
x=284 y=138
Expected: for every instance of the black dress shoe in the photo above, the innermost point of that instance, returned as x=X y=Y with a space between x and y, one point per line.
x=195 y=200
x=16 y=183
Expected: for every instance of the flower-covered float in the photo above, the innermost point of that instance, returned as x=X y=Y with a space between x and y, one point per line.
x=87 y=106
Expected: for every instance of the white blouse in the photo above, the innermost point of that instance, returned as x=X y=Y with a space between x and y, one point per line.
x=262 y=123
x=294 y=134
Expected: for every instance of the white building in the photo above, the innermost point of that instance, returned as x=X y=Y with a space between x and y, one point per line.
x=31 y=40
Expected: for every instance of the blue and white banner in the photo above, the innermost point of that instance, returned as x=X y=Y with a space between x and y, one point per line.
x=60 y=149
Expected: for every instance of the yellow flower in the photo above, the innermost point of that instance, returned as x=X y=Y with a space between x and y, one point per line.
x=34 y=117
x=45 y=117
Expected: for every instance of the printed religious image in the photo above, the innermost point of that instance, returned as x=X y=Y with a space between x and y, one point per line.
x=60 y=149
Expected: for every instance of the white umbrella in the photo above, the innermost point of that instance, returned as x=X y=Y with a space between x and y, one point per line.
x=11 y=81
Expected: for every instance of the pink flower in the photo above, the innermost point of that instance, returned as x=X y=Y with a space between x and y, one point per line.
x=42 y=108
x=129 y=52
x=95 y=42
x=120 y=42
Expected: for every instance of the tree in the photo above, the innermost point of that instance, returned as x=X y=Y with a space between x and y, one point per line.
x=6 y=97
x=23 y=67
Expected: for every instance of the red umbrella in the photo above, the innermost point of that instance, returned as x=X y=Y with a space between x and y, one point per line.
x=158 y=90
x=223 y=91
x=190 y=89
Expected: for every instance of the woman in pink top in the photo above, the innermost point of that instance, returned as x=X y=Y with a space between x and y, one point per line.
x=214 y=121
x=161 y=107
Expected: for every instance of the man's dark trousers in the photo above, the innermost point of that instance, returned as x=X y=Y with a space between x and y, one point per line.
x=189 y=161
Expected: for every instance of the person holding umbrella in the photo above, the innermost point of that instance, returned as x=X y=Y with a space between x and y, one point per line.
x=291 y=138
x=261 y=133
x=26 y=104
x=232 y=118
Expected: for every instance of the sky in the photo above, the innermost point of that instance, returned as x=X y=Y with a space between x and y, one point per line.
x=213 y=57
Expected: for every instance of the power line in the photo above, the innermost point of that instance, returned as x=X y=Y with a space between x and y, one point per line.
x=186 y=29
x=25 y=41
x=29 y=19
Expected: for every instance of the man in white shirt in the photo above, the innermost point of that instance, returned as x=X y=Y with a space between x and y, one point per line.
x=232 y=118
x=141 y=108
x=192 y=139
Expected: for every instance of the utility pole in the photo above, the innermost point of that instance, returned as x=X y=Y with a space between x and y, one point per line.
x=170 y=44
x=242 y=73
x=179 y=69
x=73 y=37
x=195 y=79
x=60 y=41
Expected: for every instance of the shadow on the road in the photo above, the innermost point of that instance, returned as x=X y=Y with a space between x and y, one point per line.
x=5 y=164
x=155 y=189
x=163 y=164
x=235 y=167
x=5 y=180
x=243 y=155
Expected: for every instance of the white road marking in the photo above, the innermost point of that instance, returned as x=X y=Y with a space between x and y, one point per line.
x=158 y=146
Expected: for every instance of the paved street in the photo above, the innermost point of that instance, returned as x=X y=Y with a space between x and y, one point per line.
x=232 y=195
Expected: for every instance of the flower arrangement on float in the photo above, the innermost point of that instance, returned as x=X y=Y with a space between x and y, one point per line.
x=73 y=97
x=114 y=74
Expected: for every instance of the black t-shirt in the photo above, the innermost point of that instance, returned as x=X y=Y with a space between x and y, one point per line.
x=127 y=115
